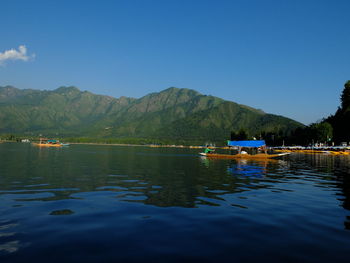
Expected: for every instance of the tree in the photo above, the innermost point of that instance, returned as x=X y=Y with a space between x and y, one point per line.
x=335 y=127
x=345 y=97
x=341 y=120
x=321 y=132
x=240 y=135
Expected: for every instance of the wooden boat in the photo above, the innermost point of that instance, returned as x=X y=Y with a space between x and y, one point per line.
x=243 y=156
x=257 y=144
x=48 y=143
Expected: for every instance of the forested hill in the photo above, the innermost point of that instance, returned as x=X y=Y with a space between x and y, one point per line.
x=172 y=113
x=335 y=129
x=340 y=121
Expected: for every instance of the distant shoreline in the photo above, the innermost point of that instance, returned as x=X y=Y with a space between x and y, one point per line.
x=121 y=144
x=141 y=145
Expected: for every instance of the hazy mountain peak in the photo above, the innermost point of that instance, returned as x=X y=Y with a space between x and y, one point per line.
x=7 y=87
x=190 y=92
x=8 y=91
x=65 y=89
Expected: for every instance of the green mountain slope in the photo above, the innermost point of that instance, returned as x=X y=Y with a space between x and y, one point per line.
x=147 y=115
x=172 y=113
x=218 y=122
x=65 y=110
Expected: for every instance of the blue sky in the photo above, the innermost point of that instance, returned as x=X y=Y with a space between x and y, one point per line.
x=289 y=58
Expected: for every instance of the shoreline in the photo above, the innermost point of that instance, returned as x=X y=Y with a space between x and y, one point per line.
x=345 y=149
x=140 y=145
x=122 y=144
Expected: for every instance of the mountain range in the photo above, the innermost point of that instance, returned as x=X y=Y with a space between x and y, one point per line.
x=170 y=114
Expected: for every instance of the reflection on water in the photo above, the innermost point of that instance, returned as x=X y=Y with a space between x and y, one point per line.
x=161 y=179
x=108 y=189
x=8 y=242
x=62 y=212
x=247 y=169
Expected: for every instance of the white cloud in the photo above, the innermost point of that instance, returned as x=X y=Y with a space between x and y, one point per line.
x=13 y=54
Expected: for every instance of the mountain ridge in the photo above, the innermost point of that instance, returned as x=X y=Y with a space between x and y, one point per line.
x=170 y=113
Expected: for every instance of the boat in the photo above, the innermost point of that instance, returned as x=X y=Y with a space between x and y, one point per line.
x=50 y=143
x=243 y=156
x=260 y=145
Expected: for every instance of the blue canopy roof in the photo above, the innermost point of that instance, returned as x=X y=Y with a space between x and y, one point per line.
x=246 y=143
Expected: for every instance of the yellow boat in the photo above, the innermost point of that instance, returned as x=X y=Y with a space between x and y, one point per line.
x=48 y=143
x=243 y=156
x=258 y=144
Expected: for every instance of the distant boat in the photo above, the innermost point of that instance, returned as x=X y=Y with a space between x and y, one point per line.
x=259 y=145
x=50 y=143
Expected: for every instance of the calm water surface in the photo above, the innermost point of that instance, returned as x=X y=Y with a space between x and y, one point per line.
x=89 y=203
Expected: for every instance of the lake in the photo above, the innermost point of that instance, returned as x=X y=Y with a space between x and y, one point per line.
x=98 y=203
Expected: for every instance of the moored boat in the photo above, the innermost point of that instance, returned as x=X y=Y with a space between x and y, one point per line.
x=260 y=145
x=47 y=145
x=243 y=156
x=50 y=143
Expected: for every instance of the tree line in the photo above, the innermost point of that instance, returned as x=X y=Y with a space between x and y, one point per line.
x=334 y=129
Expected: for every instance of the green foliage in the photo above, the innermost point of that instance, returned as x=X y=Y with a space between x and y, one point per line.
x=345 y=97
x=314 y=133
x=335 y=128
x=217 y=123
x=321 y=132
x=240 y=135
x=340 y=121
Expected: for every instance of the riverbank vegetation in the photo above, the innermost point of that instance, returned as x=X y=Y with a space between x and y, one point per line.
x=334 y=129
